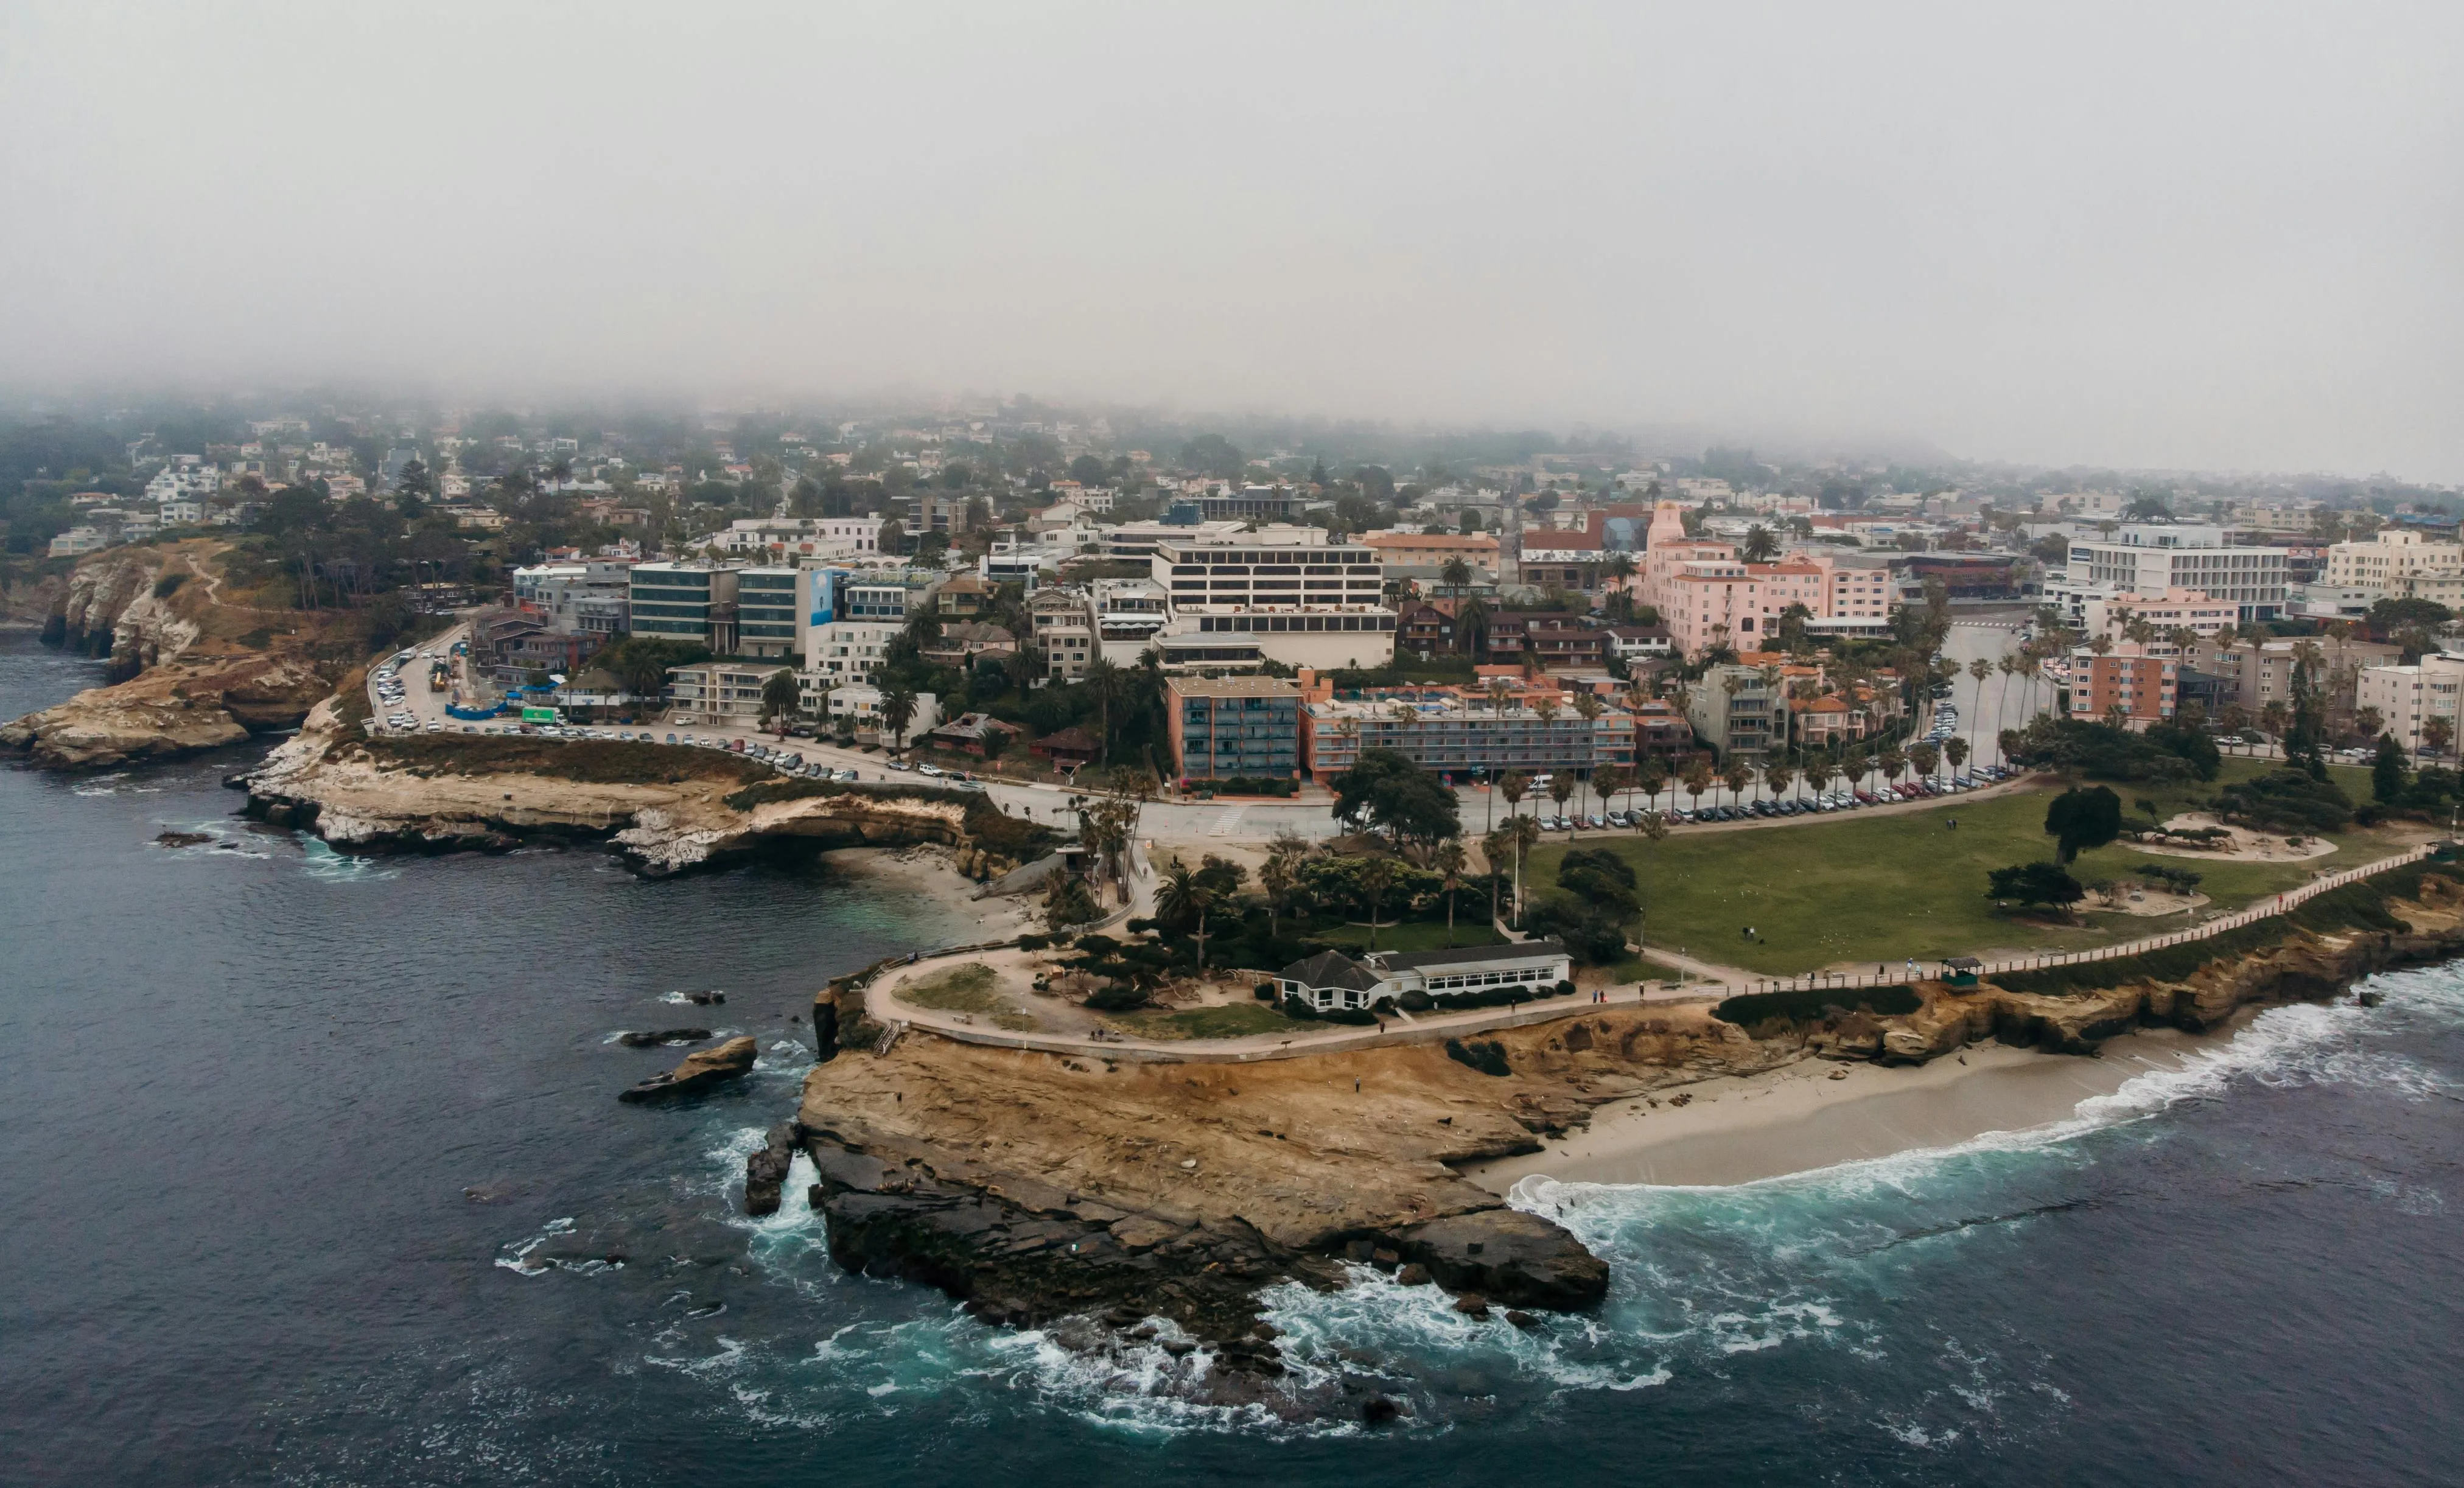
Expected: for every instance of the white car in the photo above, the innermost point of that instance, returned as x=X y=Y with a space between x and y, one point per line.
x=931 y=770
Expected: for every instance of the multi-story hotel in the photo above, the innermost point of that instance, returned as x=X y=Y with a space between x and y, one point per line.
x=1297 y=596
x=1460 y=732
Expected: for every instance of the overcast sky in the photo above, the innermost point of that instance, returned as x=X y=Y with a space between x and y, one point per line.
x=2219 y=235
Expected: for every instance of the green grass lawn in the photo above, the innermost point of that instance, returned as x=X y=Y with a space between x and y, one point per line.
x=967 y=988
x=1232 y=1021
x=1642 y=969
x=1414 y=936
x=1883 y=887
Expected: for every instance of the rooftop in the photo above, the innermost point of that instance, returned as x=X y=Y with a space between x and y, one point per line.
x=1233 y=686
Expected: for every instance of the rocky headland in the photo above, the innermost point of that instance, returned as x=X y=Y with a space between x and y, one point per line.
x=189 y=671
x=1098 y=1194
x=663 y=809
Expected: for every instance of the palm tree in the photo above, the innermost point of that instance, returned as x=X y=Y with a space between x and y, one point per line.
x=1776 y=777
x=1110 y=687
x=1818 y=773
x=1183 y=894
x=1653 y=828
x=1560 y=787
x=1607 y=781
x=1276 y=877
x=1448 y=861
x=1471 y=626
x=1376 y=876
x=1760 y=546
x=1523 y=833
x=1955 y=750
x=1696 y=779
x=1648 y=778
x=898 y=710
x=1513 y=784
x=1893 y=764
x=1925 y=756
x=1455 y=573
x=1738 y=776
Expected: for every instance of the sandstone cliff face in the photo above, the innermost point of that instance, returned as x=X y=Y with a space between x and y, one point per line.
x=100 y=590
x=663 y=810
x=191 y=704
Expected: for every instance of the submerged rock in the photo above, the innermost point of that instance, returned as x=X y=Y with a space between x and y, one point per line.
x=636 y=1039
x=700 y=1071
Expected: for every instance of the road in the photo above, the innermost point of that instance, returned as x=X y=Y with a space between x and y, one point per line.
x=2001 y=703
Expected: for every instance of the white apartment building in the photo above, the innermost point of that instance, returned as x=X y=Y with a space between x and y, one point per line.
x=725 y=694
x=2154 y=558
x=1302 y=599
x=2409 y=697
x=1063 y=631
x=856 y=707
x=802 y=538
x=591 y=597
x=2386 y=561
x=849 y=638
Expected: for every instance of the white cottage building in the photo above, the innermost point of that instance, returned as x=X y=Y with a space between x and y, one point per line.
x=1332 y=981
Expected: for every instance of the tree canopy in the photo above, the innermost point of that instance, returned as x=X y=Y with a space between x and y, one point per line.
x=1386 y=788
x=2083 y=818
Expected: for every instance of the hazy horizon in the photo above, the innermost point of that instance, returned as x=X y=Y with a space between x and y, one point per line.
x=2180 y=237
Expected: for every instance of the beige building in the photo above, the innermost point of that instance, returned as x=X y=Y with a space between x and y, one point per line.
x=2256 y=673
x=2386 y=561
x=2409 y=697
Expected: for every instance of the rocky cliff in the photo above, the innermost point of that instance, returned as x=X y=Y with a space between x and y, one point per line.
x=1107 y=1191
x=189 y=671
x=663 y=809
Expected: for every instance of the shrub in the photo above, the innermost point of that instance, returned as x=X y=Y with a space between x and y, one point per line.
x=1117 y=997
x=2287 y=801
x=1488 y=1058
x=1416 y=1001
x=1300 y=1008
x=1357 y=1016
x=1815 y=1003
x=1265 y=991
x=168 y=585
x=1033 y=942
x=1565 y=989
x=1592 y=935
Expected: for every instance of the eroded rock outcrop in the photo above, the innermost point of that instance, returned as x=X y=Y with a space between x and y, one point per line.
x=197 y=702
x=700 y=1070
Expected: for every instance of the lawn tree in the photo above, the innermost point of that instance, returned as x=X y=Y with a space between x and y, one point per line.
x=1386 y=787
x=1894 y=764
x=1654 y=827
x=2387 y=771
x=1524 y=832
x=1925 y=756
x=2081 y=818
x=1276 y=877
x=1495 y=849
x=1777 y=777
x=1561 y=788
x=1448 y=861
x=2436 y=733
x=2035 y=883
x=1955 y=750
x=1182 y=895
x=1376 y=876
x=1609 y=782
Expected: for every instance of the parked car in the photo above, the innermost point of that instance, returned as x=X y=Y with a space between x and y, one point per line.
x=931 y=769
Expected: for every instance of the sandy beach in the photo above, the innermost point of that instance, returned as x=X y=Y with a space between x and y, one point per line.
x=928 y=875
x=1739 y=1128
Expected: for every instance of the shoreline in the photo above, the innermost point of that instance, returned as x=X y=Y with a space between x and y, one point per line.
x=930 y=873
x=1742 y=1129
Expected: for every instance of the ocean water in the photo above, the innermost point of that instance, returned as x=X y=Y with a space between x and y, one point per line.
x=314 y=1174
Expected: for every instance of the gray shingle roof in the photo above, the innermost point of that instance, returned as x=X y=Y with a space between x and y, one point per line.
x=1331 y=969
x=1422 y=961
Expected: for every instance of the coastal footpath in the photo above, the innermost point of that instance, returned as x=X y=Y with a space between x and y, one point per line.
x=1096 y=1193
